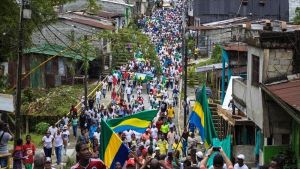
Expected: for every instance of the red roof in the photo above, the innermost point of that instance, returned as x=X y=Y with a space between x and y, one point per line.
x=289 y=92
x=93 y=24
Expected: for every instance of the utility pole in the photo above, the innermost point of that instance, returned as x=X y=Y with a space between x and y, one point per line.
x=19 y=75
x=184 y=53
x=85 y=73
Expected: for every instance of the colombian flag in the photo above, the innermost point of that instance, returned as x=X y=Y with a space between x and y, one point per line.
x=201 y=117
x=138 y=122
x=112 y=149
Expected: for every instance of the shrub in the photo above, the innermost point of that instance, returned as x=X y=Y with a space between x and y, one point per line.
x=70 y=162
x=41 y=127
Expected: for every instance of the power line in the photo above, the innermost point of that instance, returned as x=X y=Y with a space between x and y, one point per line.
x=61 y=40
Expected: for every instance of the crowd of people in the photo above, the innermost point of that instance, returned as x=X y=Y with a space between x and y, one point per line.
x=160 y=146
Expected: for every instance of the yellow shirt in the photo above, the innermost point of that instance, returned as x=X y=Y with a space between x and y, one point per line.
x=171 y=112
x=179 y=147
x=163 y=146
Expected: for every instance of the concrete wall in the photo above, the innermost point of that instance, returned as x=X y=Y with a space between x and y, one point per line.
x=239 y=89
x=280 y=63
x=247 y=150
x=273 y=63
x=254 y=94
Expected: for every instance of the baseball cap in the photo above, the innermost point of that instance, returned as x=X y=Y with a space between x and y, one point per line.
x=157 y=148
x=48 y=159
x=199 y=154
x=241 y=156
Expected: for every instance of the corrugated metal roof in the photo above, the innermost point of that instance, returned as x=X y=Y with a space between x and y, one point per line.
x=88 y=22
x=227 y=22
x=288 y=91
x=55 y=50
x=198 y=28
x=209 y=68
x=93 y=24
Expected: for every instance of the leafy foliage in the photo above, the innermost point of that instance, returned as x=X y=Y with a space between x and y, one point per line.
x=3 y=83
x=42 y=12
x=93 y=7
x=216 y=57
x=121 y=40
x=41 y=127
x=50 y=102
x=297 y=17
x=217 y=53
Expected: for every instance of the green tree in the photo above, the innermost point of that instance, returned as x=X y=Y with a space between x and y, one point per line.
x=87 y=52
x=93 y=7
x=42 y=12
x=297 y=17
x=133 y=38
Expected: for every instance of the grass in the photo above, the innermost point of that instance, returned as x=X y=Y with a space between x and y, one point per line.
x=53 y=101
x=35 y=138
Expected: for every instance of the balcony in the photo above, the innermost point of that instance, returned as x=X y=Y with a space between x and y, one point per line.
x=239 y=92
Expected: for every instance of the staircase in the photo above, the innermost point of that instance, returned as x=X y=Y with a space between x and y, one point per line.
x=220 y=124
x=106 y=63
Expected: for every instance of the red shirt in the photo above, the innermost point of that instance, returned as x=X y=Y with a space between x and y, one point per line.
x=28 y=150
x=93 y=164
x=158 y=124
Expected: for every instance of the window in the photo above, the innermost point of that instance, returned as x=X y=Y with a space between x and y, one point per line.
x=49 y=67
x=285 y=139
x=255 y=70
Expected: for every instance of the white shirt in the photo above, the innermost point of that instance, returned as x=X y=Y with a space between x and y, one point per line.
x=104 y=85
x=52 y=130
x=110 y=78
x=236 y=166
x=98 y=94
x=58 y=141
x=128 y=90
x=66 y=120
x=65 y=135
x=47 y=141
x=154 y=132
x=128 y=135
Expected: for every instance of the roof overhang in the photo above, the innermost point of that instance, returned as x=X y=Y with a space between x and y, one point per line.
x=292 y=112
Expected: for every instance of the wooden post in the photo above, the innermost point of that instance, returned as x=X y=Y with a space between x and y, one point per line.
x=27 y=125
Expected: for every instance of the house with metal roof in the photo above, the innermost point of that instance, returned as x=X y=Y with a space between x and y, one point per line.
x=269 y=95
x=48 y=66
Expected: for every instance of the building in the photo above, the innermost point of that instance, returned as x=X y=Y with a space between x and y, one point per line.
x=122 y=7
x=272 y=57
x=205 y=11
x=56 y=65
